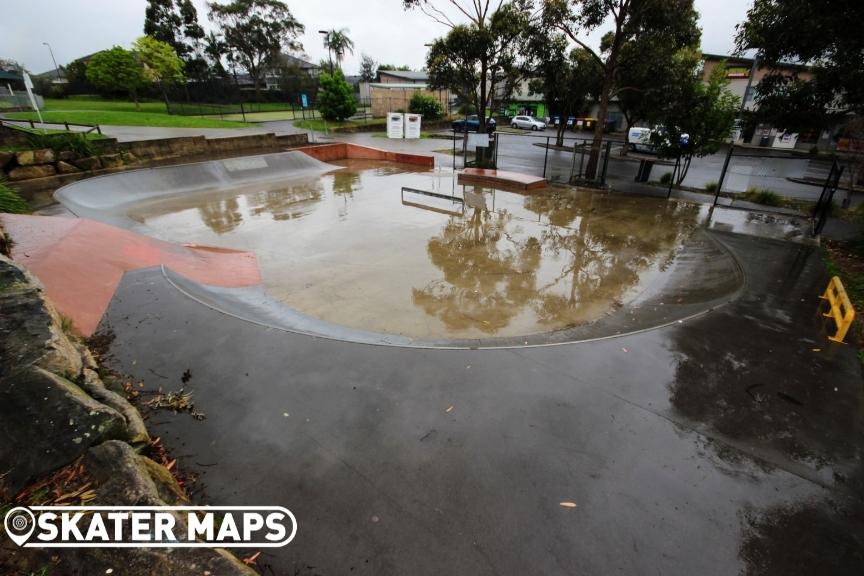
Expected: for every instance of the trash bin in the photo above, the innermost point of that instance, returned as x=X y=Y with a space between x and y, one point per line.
x=765 y=141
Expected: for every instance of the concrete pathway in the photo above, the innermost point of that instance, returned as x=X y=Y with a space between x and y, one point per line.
x=728 y=444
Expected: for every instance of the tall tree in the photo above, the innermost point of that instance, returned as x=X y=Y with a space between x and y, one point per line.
x=214 y=50
x=255 y=33
x=653 y=63
x=367 y=68
x=567 y=78
x=161 y=63
x=385 y=67
x=479 y=60
x=117 y=70
x=629 y=20
x=697 y=116
x=338 y=42
x=176 y=22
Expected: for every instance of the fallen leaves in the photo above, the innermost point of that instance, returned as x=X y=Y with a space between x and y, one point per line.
x=252 y=560
x=68 y=486
x=180 y=401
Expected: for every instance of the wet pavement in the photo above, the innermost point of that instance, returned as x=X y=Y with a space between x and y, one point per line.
x=354 y=248
x=725 y=444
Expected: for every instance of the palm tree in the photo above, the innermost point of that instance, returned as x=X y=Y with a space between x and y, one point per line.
x=338 y=42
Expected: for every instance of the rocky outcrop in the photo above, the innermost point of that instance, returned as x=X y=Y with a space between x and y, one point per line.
x=30 y=172
x=5 y=158
x=88 y=163
x=32 y=157
x=64 y=167
x=55 y=410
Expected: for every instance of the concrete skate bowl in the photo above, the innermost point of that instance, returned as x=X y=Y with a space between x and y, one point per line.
x=371 y=250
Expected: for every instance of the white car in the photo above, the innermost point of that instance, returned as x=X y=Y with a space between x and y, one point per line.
x=527 y=123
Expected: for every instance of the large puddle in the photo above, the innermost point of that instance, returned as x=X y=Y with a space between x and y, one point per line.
x=353 y=248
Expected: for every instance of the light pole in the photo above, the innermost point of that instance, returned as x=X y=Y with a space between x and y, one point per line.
x=56 y=68
x=329 y=58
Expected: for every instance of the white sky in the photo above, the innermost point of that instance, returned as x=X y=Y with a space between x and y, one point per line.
x=380 y=28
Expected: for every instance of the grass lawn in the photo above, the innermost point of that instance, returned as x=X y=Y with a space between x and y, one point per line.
x=118 y=113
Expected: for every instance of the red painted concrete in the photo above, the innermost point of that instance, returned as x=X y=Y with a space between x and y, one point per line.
x=342 y=150
x=501 y=178
x=81 y=262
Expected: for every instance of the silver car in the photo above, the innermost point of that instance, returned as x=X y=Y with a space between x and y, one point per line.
x=527 y=123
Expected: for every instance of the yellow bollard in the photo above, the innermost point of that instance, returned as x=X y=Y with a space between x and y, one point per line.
x=840 y=308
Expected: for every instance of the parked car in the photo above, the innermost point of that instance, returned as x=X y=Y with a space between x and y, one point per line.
x=527 y=123
x=473 y=122
x=640 y=140
x=645 y=139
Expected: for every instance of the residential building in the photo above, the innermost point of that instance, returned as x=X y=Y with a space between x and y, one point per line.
x=738 y=72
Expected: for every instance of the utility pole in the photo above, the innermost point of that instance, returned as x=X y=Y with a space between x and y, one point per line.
x=56 y=68
x=329 y=57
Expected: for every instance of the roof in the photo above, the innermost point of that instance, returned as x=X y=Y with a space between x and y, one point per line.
x=11 y=75
x=744 y=61
x=398 y=86
x=290 y=60
x=407 y=74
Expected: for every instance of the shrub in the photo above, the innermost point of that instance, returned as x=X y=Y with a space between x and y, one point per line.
x=762 y=196
x=62 y=142
x=336 y=98
x=426 y=105
x=666 y=178
x=711 y=187
x=10 y=201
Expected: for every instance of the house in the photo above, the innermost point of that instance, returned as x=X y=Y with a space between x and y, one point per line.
x=395 y=88
x=403 y=77
x=738 y=72
x=284 y=65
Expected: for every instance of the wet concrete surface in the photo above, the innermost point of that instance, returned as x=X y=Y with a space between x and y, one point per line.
x=519 y=153
x=726 y=444
x=354 y=248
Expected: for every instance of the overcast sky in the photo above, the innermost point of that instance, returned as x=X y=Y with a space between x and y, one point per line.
x=380 y=28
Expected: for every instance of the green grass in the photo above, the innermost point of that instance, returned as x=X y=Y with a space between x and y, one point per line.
x=762 y=196
x=118 y=113
x=10 y=201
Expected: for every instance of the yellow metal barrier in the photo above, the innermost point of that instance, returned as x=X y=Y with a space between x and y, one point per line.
x=841 y=309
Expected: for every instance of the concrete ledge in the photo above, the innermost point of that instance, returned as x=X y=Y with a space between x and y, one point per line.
x=500 y=178
x=343 y=150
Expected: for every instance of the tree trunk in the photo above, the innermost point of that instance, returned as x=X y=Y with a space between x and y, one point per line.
x=559 y=138
x=165 y=97
x=629 y=124
x=597 y=140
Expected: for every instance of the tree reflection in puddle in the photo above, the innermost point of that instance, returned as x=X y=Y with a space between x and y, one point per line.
x=564 y=258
